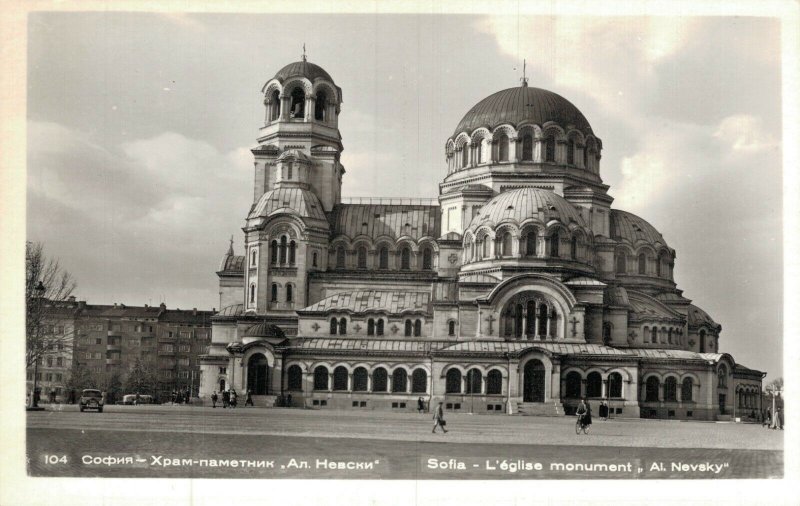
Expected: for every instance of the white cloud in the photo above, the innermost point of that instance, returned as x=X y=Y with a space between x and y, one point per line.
x=745 y=134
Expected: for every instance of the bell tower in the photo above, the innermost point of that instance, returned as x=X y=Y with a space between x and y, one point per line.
x=302 y=105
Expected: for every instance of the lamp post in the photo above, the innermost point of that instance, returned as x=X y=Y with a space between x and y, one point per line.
x=39 y=290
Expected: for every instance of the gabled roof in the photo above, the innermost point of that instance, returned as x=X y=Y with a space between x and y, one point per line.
x=362 y=301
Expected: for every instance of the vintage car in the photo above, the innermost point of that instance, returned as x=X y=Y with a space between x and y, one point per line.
x=130 y=399
x=91 y=399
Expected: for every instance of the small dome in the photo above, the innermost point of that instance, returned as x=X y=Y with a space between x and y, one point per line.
x=525 y=203
x=523 y=104
x=628 y=227
x=264 y=329
x=296 y=154
x=231 y=263
x=295 y=201
x=302 y=69
x=699 y=317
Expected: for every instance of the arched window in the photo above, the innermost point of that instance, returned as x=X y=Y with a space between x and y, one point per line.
x=362 y=257
x=594 y=385
x=494 y=382
x=651 y=389
x=502 y=148
x=702 y=341
x=527 y=148
x=275 y=106
x=550 y=149
x=464 y=155
x=530 y=244
x=485 y=253
x=417 y=328
x=405 y=259
x=659 y=265
x=607 y=333
x=370 y=327
x=621 y=262
x=399 y=380
x=573 y=385
x=654 y=335
x=321 y=378
x=408 y=328
x=544 y=312
x=340 y=378
x=419 y=381
x=314 y=259
x=292 y=252
x=383 y=257
x=360 y=380
x=273 y=293
x=453 y=381
x=295 y=378
x=474 y=381
x=451 y=328
x=379 y=380
x=273 y=253
x=289 y=172
x=479 y=152
x=646 y=334
x=283 y=250
x=722 y=376
x=253 y=258
x=427 y=264
x=507 y=250
x=342 y=326
x=252 y=293
x=298 y=103
x=289 y=293
x=379 y=327
x=669 y=335
x=615 y=385
x=642 y=263
x=340 y=257
x=573 y=248
x=554 y=240
x=320 y=106
x=571 y=152
x=334 y=326
x=671 y=389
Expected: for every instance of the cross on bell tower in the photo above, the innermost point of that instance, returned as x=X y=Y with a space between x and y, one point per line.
x=524 y=77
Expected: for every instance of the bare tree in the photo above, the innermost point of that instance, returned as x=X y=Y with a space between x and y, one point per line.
x=776 y=384
x=46 y=285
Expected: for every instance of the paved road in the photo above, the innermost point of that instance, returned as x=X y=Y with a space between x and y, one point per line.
x=387 y=445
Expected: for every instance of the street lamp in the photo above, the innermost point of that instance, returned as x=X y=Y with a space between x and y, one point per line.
x=39 y=290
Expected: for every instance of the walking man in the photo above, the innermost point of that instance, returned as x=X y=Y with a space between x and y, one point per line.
x=226 y=399
x=213 y=399
x=249 y=399
x=438 y=418
x=420 y=405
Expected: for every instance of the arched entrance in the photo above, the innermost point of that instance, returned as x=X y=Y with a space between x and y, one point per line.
x=257 y=374
x=533 y=383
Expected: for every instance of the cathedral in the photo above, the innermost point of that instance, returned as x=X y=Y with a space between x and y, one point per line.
x=520 y=290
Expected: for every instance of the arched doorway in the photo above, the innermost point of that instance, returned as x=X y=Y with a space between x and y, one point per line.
x=257 y=375
x=533 y=388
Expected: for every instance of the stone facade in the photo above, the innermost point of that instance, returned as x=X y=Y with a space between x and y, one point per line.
x=519 y=290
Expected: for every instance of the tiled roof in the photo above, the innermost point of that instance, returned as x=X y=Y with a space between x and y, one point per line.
x=522 y=204
x=361 y=301
x=617 y=296
x=675 y=354
x=120 y=311
x=584 y=281
x=699 y=317
x=288 y=200
x=232 y=310
x=305 y=69
x=232 y=263
x=645 y=306
x=523 y=104
x=395 y=221
x=629 y=227
x=517 y=346
x=387 y=345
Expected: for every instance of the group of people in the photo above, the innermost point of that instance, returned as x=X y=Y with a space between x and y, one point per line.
x=229 y=399
x=771 y=421
x=181 y=397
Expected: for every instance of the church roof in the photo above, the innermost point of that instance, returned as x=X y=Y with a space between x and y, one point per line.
x=699 y=317
x=361 y=345
x=675 y=354
x=523 y=104
x=631 y=228
x=232 y=310
x=395 y=221
x=303 y=68
x=232 y=264
x=645 y=307
x=362 y=301
x=518 y=346
x=296 y=201
x=518 y=206
x=264 y=329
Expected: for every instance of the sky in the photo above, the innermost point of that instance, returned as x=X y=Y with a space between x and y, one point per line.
x=140 y=126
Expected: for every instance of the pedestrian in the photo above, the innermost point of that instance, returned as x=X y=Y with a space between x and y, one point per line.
x=438 y=418
x=233 y=398
x=585 y=410
x=776 y=418
x=249 y=399
x=289 y=400
x=603 y=410
x=767 y=419
x=52 y=396
x=188 y=396
x=226 y=398
x=420 y=405
x=213 y=399
x=136 y=399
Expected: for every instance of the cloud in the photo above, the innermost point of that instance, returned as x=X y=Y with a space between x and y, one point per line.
x=745 y=134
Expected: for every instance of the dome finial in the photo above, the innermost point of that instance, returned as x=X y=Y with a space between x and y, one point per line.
x=524 y=78
x=230 y=248
x=304 y=51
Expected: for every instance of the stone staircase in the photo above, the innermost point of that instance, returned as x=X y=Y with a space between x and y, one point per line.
x=549 y=408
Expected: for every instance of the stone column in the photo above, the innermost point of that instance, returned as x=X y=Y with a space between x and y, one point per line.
x=537 y=330
x=286 y=104
x=311 y=101
x=604 y=388
x=512 y=149
x=330 y=381
x=389 y=382
x=350 y=382
x=555 y=381
x=549 y=318
x=583 y=388
x=369 y=382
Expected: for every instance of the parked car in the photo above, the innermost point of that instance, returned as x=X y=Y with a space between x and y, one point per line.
x=130 y=399
x=91 y=399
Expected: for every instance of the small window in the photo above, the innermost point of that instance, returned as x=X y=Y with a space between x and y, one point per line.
x=340 y=257
x=273 y=293
x=383 y=258
x=379 y=327
x=451 y=328
x=371 y=327
x=642 y=263
x=334 y=326
x=405 y=259
x=571 y=152
x=342 y=326
x=292 y=252
x=314 y=259
x=417 y=328
x=253 y=258
x=289 y=293
x=550 y=149
x=502 y=149
x=408 y=328
x=527 y=148
x=362 y=257
x=252 y=295
x=427 y=264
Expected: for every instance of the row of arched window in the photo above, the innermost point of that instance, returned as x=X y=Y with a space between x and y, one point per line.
x=296 y=105
x=670 y=387
x=748 y=399
x=472 y=382
x=361 y=380
x=646 y=265
x=573 y=383
x=530 y=245
x=663 y=335
x=404 y=254
x=376 y=327
x=289 y=294
x=283 y=252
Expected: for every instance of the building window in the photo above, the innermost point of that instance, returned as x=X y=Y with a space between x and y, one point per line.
x=334 y=326
x=383 y=257
x=651 y=389
x=298 y=103
x=464 y=155
x=474 y=381
x=60 y=361
x=274 y=106
x=253 y=258
x=340 y=257
x=419 y=381
x=49 y=361
x=571 y=152
x=417 y=328
x=405 y=259
x=615 y=385
x=380 y=327
x=502 y=148
x=451 y=328
x=642 y=263
x=621 y=262
x=550 y=149
x=408 y=328
x=527 y=148
x=289 y=293
x=494 y=382
x=573 y=248
x=320 y=106
x=379 y=380
x=252 y=294
x=340 y=378
x=321 y=378
x=360 y=380
x=342 y=326
x=292 y=252
x=607 y=333
x=654 y=335
x=362 y=257
x=554 y=240
x=274 y=292
x=427 y=264
x=594 y=385
x=295 y=378
x=273 y=254
x=453 y=381
x=370 y=327
x=506 y=244
x=671 y=389
x=722 y=375
x=702 y=341
x=530 y=243
x=283 y=250
x=686 y=390
x=314 y=259
x=399 y=380
x=289 y=171
x=659 y=265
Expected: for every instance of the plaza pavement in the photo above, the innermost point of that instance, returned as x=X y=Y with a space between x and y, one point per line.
x=399 y=445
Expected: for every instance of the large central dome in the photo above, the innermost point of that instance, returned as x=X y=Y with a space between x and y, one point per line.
x=523 y=104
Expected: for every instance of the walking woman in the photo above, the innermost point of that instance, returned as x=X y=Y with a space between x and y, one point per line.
x=438 y=418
